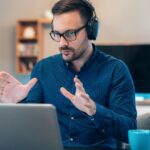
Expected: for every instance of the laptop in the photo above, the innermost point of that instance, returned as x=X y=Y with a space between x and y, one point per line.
x=29 y=127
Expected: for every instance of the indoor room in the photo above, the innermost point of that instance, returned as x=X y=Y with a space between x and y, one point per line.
x=31 y=34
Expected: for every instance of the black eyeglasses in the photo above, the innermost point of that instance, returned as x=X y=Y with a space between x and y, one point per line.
x=69 y=35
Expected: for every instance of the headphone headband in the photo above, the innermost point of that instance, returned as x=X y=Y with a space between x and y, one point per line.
x=93 y=24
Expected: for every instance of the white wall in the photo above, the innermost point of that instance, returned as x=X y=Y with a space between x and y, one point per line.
x=123 y=21
x=10 y=12
x=142 y=109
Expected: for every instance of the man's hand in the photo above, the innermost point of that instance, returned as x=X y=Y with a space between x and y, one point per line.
x=81 y=99
x=11 y=90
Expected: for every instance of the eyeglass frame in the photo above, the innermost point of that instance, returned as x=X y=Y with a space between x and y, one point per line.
x=63 y=34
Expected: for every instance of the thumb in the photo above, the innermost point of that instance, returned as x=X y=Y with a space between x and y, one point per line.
x=31 y=83
x=66 y=93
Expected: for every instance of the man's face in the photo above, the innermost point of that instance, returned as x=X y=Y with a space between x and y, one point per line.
x=71 y=50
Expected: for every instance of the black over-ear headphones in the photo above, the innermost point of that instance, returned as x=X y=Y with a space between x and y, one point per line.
x=93 y=24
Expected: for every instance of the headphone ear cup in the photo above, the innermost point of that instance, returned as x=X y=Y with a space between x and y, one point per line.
x=92 y=29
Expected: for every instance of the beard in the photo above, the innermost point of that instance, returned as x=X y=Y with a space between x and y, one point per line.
x=70 y=54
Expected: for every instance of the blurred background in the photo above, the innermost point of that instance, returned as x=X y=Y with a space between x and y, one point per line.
x=124 y=33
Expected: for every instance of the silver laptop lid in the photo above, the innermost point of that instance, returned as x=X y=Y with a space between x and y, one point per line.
x=29 y=127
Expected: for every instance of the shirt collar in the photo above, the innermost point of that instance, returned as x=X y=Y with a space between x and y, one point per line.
x=87 y=63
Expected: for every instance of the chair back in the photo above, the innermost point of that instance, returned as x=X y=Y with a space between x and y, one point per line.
x=143 y=121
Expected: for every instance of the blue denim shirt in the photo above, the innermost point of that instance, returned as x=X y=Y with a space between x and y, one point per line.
x=106 y=80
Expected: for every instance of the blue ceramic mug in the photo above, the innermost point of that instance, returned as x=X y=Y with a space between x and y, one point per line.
x=139 y=139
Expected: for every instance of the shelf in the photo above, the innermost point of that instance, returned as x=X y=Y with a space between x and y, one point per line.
x=28 y=40
x=27 y=57
x=29 y=43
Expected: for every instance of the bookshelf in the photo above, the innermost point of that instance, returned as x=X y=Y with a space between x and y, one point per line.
x=29 y=43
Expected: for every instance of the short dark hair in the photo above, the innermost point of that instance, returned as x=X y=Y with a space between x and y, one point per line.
x=84 y=7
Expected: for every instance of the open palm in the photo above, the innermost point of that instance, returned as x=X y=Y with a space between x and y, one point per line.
x=80 y=99
x=11 y=90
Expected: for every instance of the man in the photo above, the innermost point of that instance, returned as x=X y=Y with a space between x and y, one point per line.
x=93 y=92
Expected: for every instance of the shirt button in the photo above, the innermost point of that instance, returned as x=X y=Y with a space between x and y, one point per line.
x=71 y=139
x=103 y=130
x=72 y=118
x=92 y=119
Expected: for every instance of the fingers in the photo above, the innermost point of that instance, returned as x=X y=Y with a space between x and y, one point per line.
x=30 y=84
x=3 y=75
x=85 y=96
x=79 y=85
x=76 y=80
x=91 y=108
x=81 y=99
x=3 y=82
x=89 y=104
x=6 y=77
x=67 y=94
x=80 y=91
x=3 y=78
